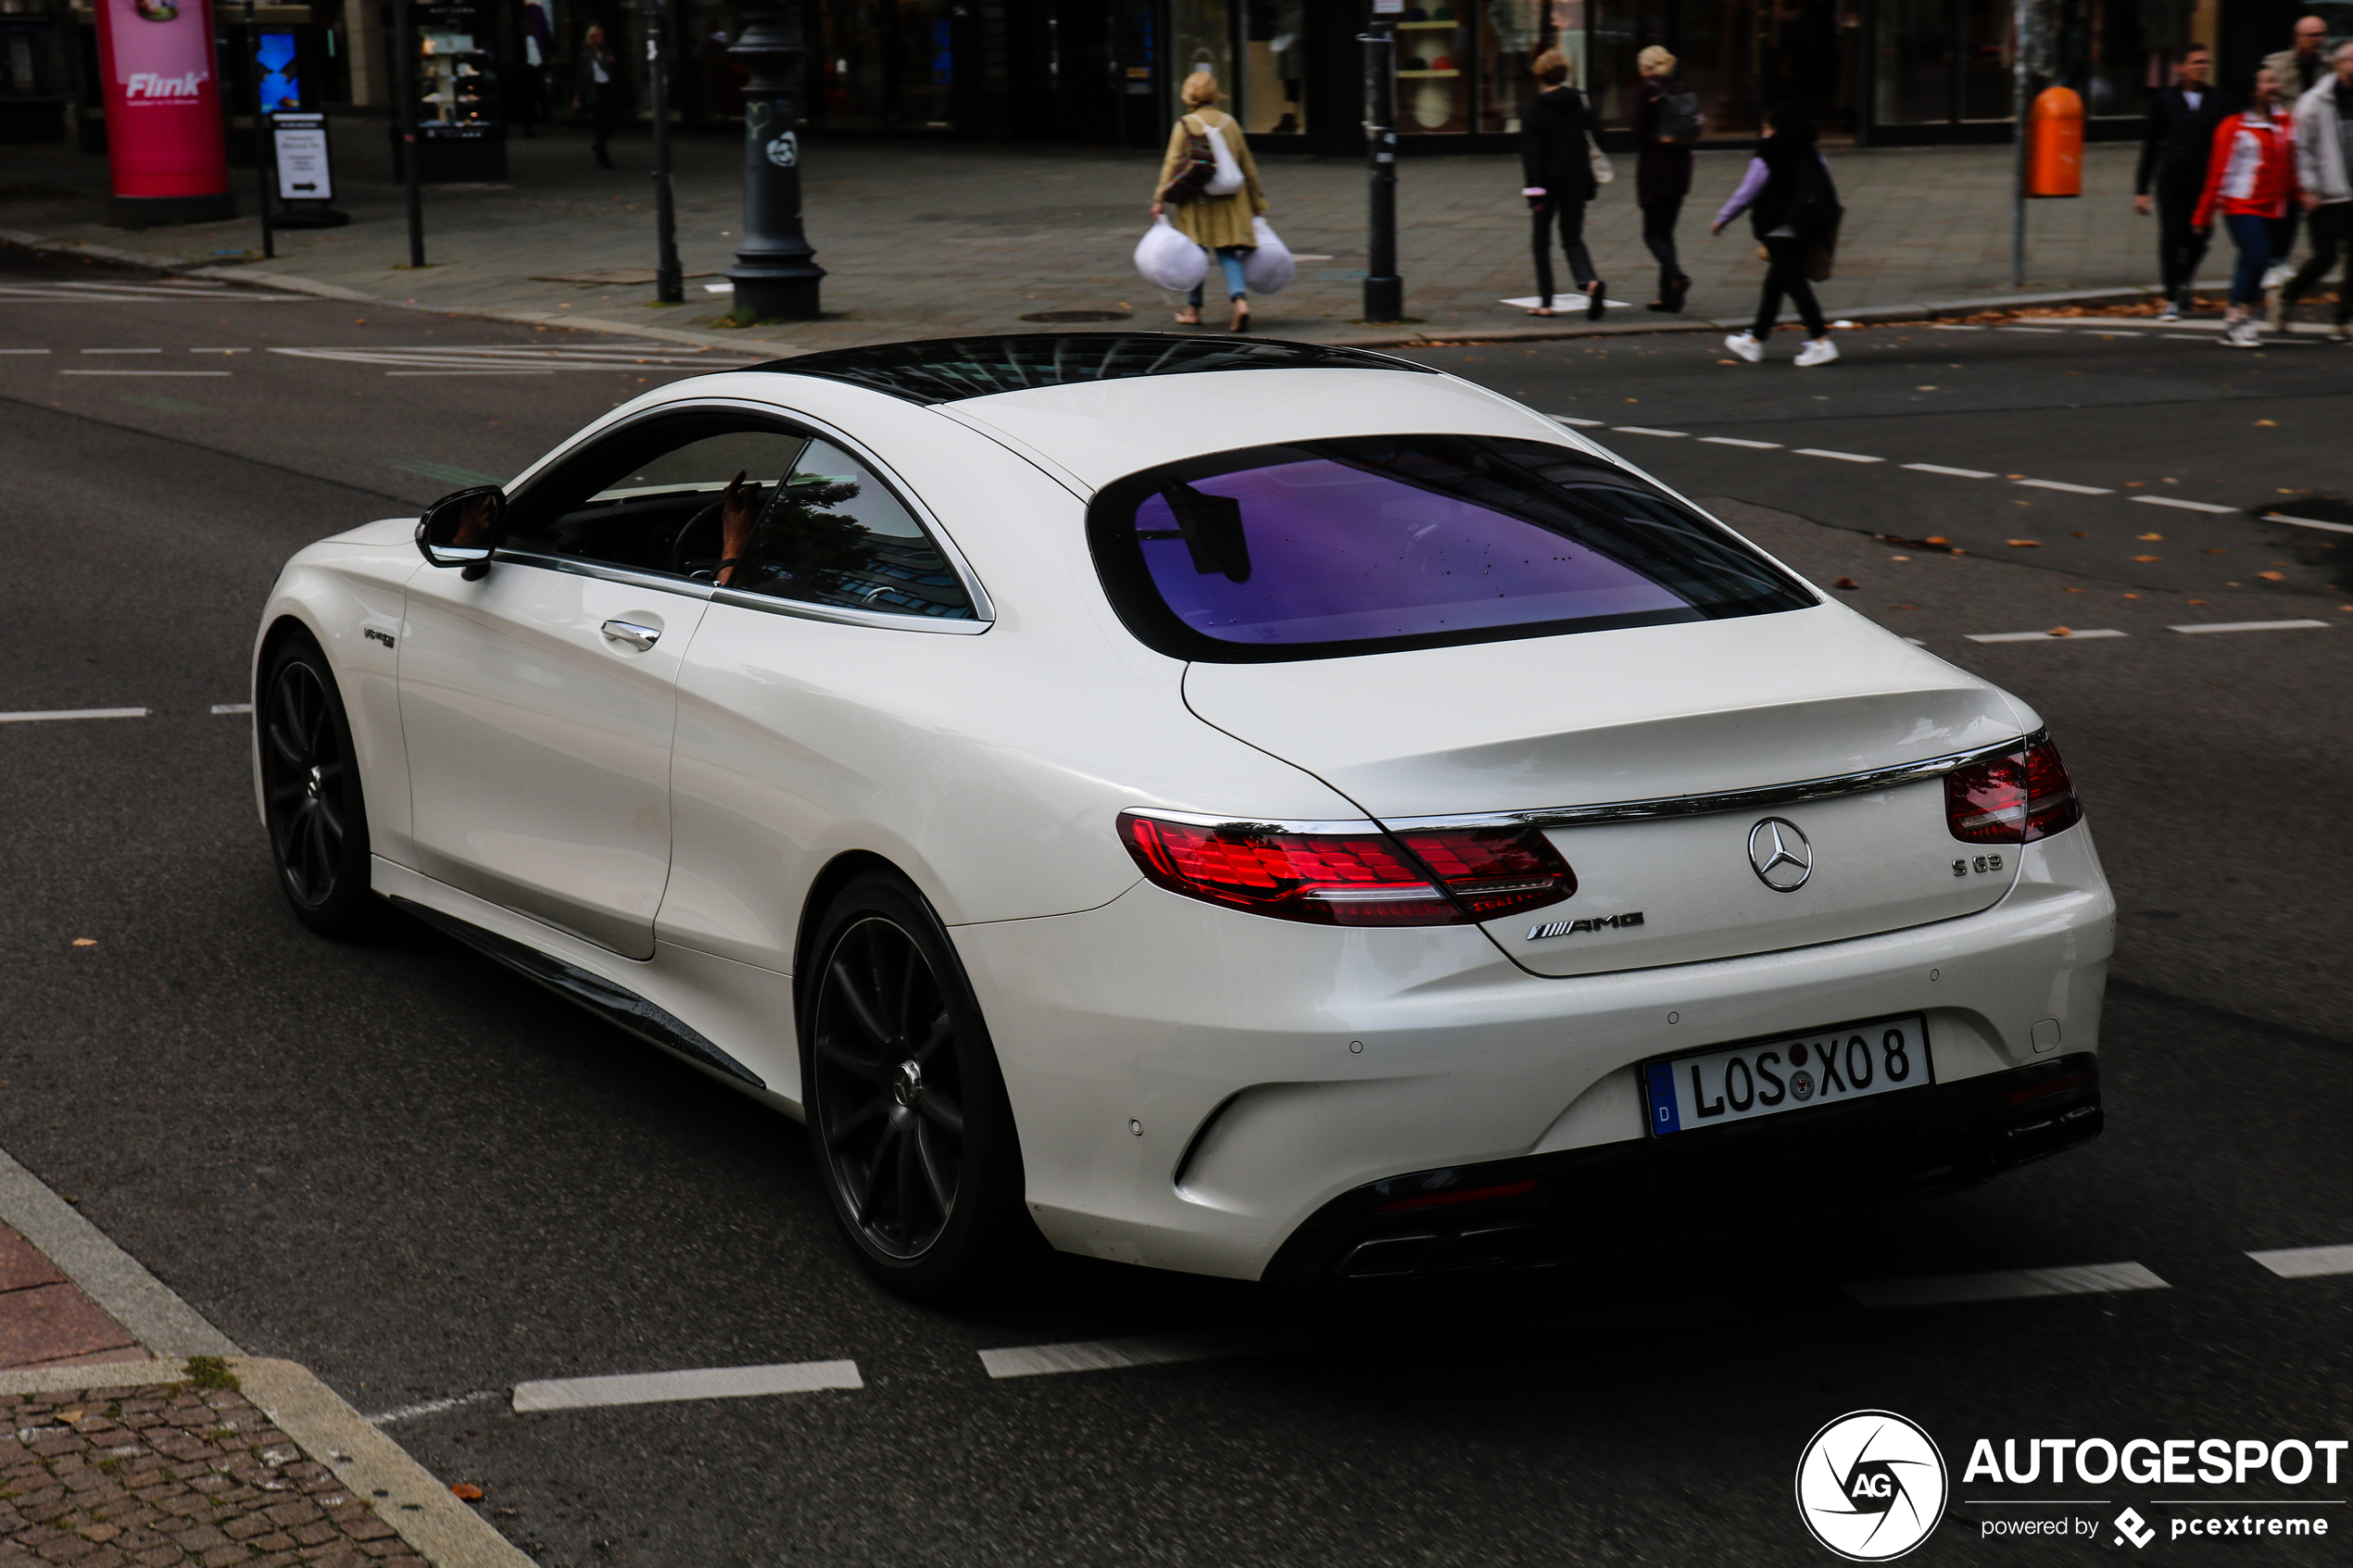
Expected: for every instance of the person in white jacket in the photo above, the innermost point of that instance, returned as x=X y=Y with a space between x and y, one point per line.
x=2324 y=178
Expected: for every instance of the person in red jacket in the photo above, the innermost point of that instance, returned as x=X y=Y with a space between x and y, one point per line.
x=2251 y=181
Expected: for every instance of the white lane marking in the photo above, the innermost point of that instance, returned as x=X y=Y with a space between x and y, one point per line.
x=501 y=357
x=23 y=351
x=122 y=351
x=1842 y=457
x=2184 y=505
x=2189 y=337
x=1573 y=420
x=147 y=372
x=2306 y=1262
x=1645 y=430
x=1955 y=473
x=37 y=718
x=2054 y=331
x=2249 y=626
x=2117 y=332
x=2071 y=489
x=2067 y=636
x=233 y=707
x=221 y=351
x=1952 y=327
x=2004 y=1284
x=470 y=372
x=1104 y=1355
x=703 y=1383
x=1736 y=441
x=2308 y=522
x=430 y=1406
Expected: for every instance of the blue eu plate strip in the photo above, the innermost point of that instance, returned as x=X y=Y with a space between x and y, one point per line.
x=1660 y=1081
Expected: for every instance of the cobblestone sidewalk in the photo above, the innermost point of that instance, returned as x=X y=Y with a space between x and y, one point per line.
x=924 y=239
x=171 y=1474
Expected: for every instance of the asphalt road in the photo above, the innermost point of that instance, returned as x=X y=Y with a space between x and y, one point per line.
x=428 y=1181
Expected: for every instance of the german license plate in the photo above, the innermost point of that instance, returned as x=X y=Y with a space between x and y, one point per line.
x=1767 y=1077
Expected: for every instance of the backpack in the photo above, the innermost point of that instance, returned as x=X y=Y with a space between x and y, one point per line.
x=1814 y=210
x=1679 y=120
x=1207 y=170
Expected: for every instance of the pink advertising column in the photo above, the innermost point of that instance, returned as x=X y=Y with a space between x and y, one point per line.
x=164 y=133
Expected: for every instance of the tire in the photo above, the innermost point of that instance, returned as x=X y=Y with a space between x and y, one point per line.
x=909 y=1123
x=310 y=791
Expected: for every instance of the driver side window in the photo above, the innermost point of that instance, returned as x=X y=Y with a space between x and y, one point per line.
x=648 y=497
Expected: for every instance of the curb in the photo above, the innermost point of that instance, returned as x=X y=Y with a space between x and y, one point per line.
x=425 y=1512
x=1468 y=335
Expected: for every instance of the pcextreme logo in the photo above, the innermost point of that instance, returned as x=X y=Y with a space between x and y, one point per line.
x=1871 y=1486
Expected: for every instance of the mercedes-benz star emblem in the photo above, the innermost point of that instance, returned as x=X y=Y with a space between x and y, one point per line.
x=1778 y=849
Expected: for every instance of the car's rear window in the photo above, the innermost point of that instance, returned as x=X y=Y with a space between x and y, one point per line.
x=1378 y=543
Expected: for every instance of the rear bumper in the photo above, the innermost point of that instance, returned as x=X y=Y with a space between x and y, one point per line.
x=1626 y=1196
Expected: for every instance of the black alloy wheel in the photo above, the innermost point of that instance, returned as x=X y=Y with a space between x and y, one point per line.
x=907 y=1112
x=310 y=791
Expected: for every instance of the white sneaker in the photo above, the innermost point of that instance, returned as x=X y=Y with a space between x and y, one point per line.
x=2172 y=312
x=2247 y=333
x=1747 y=347
x=1821 y=351
x=2279 y=274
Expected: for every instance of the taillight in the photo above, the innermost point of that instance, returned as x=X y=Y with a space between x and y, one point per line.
x=2013 y=799
x=1352 y=878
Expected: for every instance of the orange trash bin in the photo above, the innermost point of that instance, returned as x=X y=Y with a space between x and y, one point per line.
x=2055 y=144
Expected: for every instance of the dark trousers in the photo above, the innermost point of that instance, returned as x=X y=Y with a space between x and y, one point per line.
x=2331 y=226
x=2254 y=236
x=1570 y=216
x=1785 y=274
x=2179 y=245
x=1658 y=233
x=606 y=117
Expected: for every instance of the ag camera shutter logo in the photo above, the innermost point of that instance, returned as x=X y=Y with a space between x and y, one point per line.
x=1871 y=1486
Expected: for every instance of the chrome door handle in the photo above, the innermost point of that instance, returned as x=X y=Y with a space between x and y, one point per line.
x=629 y=632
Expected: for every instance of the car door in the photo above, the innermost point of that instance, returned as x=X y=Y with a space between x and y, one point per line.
x=539 y=701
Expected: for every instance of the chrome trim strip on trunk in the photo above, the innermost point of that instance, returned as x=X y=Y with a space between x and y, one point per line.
x=1728 y=800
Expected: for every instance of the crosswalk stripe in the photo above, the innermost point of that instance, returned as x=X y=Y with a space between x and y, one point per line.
x=39 y=718
x=2069 y=635
x=703 y=1383
x=2307 y=1263
x=2249 y=626
x=2004 y=1284
x=1104 y=1355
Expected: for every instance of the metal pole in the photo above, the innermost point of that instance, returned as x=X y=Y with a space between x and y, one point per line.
x=403 y=50
x=1384 y=290
x=775 y=274
x=669 y=286
x=260 y=135
x=2021 y=24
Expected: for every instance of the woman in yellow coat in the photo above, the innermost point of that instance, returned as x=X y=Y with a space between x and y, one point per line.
x=1218 y=224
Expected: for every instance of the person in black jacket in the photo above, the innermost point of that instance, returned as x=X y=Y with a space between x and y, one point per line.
x=1662 y=173
x=1793 y=206
x=2174 y=149
x=1557 y=180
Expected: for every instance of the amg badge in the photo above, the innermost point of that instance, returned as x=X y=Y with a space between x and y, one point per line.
x=1570 y=928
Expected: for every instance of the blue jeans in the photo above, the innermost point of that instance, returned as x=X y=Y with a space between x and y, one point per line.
x=1230 y=258
x=2252 y=234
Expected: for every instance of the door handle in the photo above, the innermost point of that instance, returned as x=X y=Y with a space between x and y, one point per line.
x=629 y=631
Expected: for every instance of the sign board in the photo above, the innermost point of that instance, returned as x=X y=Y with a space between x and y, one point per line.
x=1388 y=8
x=164 y=132
x=300 y=141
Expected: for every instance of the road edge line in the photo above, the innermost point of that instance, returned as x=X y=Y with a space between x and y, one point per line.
x=151 y=1310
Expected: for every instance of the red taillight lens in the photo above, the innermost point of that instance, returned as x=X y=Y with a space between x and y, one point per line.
x=1351 y=879
x=2012 y=799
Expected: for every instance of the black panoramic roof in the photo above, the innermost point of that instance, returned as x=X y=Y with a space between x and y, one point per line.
x=949 y=369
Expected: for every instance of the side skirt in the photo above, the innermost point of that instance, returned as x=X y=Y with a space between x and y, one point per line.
x=616 y=1005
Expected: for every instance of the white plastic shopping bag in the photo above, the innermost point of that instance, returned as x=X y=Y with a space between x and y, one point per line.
x=1167 y=259
x=1228 y=178
x=1268 y=269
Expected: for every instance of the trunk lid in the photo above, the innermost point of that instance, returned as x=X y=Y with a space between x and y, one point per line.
x=1654 y=714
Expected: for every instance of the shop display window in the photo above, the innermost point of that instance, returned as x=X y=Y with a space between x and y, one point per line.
x=1201 y=38
x=1275 y=52
x=889 y=66
x=457 y=83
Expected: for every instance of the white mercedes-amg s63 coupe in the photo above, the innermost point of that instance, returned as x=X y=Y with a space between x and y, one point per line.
x=1268 y=811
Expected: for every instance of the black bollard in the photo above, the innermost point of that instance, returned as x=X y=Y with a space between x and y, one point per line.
x=1384 y=290
x=774 y=275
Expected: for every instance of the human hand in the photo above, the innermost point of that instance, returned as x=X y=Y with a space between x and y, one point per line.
x=737 y=504
x=2141 y=206
x=1715 y=228
x=2308 y=200
x=1156 y=207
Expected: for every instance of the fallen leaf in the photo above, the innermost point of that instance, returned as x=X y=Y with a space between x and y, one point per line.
x=2197 y=601
x=2024 y=543
x=2134 y=484
x=2079 y=534
x=2267 y=422
x=2073 y=590
x=1899 y=558
x=467 y=1490
x=1916 y=607
x=2132 y=595
x=2152 y=538
x=2145 y=559
x=85 y=941
x=2060 y=632
x=2216 y=550
x=1847 y=582
x=1936 y=539
x=2272 y=576
x=1728 y=361
x=2013 y=476
x=1923 y=389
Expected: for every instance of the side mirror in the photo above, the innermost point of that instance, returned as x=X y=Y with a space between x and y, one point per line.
x=463 y=529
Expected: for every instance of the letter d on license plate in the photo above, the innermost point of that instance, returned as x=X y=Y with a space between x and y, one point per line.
x=1766 y=1077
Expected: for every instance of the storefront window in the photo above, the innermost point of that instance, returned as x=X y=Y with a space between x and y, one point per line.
x=888 y=65
x=1275 y=54
x=1985 y=60
x=1715 y=60
x=1916 y=60
x=1515 y=31
x=1201 y=38
x=1621 y=29
x=1433 y=69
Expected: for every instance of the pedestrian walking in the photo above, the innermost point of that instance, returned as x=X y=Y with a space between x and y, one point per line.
x=1667 y=122
x=2325 y=175
x=2174 y=149
x=1559 y=173
x=2299 y=67
x=1215 y=198
x=1793 y=206
x=597 y=89
x=2250 y=181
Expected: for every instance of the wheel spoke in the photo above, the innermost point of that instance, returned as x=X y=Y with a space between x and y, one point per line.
x=937 y=1107
x=841 y=1130
x=867 y=1199
x=861 y=1010
x=279 y=742
x=942 y=1031
x=834 y=1054
x=943 y=1191
x=903 y=1178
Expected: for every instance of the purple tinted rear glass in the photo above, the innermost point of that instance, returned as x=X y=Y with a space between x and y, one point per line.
x=1406 y=541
